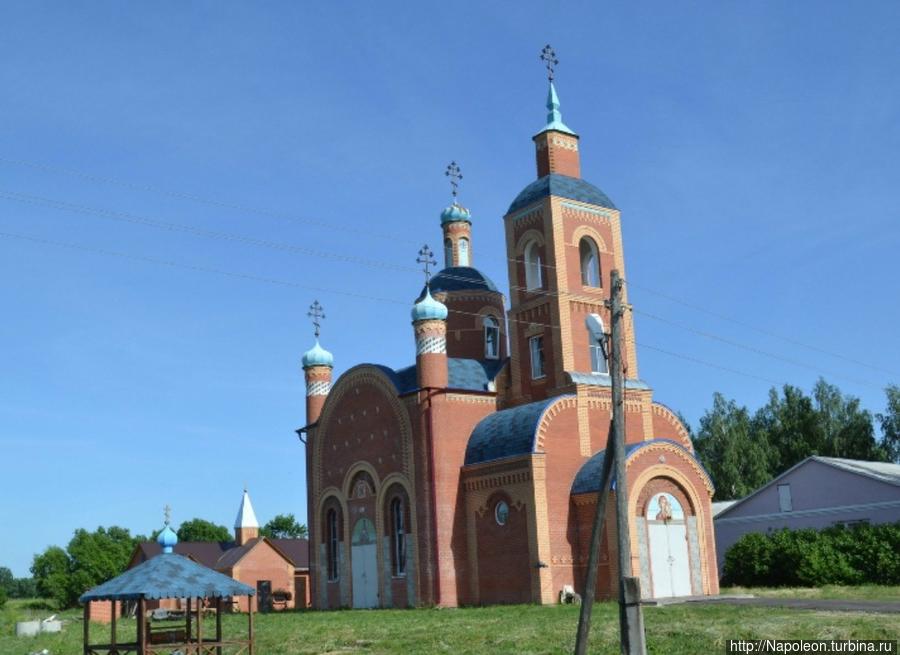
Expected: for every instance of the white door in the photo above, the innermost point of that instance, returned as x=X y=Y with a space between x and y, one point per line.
x=364 y=564
x=667 y=534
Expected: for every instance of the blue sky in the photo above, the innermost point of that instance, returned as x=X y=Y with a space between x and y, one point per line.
x=753 y=148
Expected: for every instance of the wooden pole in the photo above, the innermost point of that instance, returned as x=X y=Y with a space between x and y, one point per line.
x=199 y=625
x=112 y=638
x=219 y=624
x=590 y=578
x=142 y=626
x=250 y=645
x=630 y=619
x=87 y=626
x=187 y=618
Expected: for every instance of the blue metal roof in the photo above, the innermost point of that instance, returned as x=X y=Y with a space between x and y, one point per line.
x=587 y=480
x=506 y=433
x=460 y=278
x=463 y=374
x=560 y=185
x=168 y=575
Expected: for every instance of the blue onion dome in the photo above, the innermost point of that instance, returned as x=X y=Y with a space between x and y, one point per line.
x=429 y=309
x=455 y=212
x=317 y=356
x=167 y=539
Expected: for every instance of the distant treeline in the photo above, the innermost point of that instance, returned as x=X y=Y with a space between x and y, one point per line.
x=743 y=450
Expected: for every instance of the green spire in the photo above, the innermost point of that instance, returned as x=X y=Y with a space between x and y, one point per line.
x=554 y=115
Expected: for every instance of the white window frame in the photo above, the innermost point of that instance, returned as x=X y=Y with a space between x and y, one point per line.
x=597 y=344
x=785 y=499
x=399 y=537
x=448 y=252
x=538 y=361
x=462 y=249
x=534 y=274
x=590 y=263
x=491 y=325
x=334 y=569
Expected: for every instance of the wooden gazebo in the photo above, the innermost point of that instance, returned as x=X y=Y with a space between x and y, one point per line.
x=169 y=575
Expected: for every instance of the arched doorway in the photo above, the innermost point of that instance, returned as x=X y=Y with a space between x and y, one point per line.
x=667 y=536
x=364 y=564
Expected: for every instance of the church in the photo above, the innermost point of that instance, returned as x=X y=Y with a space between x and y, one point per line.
x=471 y=477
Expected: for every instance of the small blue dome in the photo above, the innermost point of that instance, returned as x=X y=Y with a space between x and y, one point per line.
x=317 y=356
x=167 y=539
x=428 y=308
x=455 y=212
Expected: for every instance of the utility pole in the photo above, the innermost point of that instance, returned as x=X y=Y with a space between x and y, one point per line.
x=631 y=623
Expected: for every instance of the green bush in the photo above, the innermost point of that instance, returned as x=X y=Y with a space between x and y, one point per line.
x=2 y=597
x=862 y=554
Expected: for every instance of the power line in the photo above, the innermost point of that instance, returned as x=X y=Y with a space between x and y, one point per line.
x=220 y=235
x=760 y=330
x=307 y=287
x=123 y=216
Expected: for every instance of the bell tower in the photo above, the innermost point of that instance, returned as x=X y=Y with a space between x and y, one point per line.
x=563 y=237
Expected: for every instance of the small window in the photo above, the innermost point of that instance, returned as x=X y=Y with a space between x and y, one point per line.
x=785 y=502
x=398 y=534
x=501 y=512
x=590 y=263
x=597 y=344
x=536 y=345
x=448 y=253
x=463 y=247
x=332 y=527
x=533 y=267
x=491 y=338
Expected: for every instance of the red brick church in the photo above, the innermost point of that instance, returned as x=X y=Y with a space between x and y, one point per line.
x=471 y=476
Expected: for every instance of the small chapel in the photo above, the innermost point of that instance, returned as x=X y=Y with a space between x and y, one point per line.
x=471 y=476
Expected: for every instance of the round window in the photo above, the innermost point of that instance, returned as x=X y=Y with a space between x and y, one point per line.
x=501 y=512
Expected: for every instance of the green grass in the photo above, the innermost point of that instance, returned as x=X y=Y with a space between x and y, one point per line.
x=862 y=592
x=671 y=630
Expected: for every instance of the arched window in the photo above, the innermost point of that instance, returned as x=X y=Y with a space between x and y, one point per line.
x=597 y=344
x=331 y=527
x=463 y=248
x=398 y=537
x=590 y=263
x=448 y=253
x=533 y=266
x=491 y=338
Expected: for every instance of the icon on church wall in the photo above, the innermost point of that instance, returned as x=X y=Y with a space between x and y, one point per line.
x=664 y=507
x=501 y=512
x=363 y=533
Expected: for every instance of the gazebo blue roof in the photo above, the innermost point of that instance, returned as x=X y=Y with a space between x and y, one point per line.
x=168 y=575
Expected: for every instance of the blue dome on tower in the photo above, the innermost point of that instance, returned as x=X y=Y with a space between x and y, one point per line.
x=167 y=539
x=317 y=356
x=455 y=212
x=429 y=309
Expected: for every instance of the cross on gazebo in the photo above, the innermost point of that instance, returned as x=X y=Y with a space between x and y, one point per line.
x=316 y=313
x=426 y=258
x=455 y=175
x=548 y=56
x=167 y=513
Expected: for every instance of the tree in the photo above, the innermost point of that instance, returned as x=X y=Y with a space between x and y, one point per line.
x=736 y=455
x=96 y=557
x=284 y=526
x=844 y=429
x=51 y=574
x=3 y=597
x=202 y=530
x=7 y=580
x=890 y=424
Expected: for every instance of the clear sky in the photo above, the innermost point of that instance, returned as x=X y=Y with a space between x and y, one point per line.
x=753 y=148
